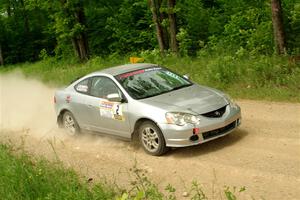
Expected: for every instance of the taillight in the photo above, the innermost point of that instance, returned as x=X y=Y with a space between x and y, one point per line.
x=54 y=99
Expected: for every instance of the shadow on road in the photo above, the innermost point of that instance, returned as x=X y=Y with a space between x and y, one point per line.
x=211 y=146
x=192 y=151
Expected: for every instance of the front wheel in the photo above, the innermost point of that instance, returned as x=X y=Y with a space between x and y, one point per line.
x=152 y=139
x=70 y=124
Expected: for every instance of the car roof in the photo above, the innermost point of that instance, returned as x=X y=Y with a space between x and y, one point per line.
x=121 y=69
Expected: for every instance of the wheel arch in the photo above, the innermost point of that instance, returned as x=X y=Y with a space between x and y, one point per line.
x=134 y=135
x=162 y=148
x=60 y=116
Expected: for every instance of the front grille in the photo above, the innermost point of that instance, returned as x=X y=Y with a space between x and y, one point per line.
x=215 y=113
x=219 y=131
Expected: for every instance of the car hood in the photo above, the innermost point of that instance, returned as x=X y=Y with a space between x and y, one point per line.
x=193 y=99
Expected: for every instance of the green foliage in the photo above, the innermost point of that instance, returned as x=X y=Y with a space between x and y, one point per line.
x=222 y=69
x=196 y=23
x=130 y=28
x=249 y=29
x=22 y=34
x=184 y=42
x=231 y=193
x=141 y=187
x=294 y=28
x=64 y=24
x=100 y=38
x=255 y=77
x=25 y=178
x=125 y=27
x=197 y=192
x=170 y=192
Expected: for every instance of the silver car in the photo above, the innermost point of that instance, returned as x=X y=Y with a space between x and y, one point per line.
x=147 y=101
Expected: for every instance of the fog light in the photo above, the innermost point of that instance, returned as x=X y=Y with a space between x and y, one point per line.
x=194 y=137
x=196 y=131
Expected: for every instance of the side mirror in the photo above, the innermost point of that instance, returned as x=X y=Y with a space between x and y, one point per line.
x=186 y=76
x=115 y=97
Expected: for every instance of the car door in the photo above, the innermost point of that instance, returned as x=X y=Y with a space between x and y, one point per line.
x=78 y=102
x=106 y=116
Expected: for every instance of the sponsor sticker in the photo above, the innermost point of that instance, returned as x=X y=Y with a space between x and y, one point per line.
x=118 y=112
x=152 y=69
x=122 y=76
x=173 y=75
x=111 y=110
x=131 y=73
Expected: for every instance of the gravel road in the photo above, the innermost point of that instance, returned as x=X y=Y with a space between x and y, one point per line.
x=263 y=154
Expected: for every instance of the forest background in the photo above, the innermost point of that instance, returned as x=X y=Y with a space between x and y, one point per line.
x=250 y=49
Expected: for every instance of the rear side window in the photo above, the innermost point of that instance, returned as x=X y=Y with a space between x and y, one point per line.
x=103 y=86
x=82 y=86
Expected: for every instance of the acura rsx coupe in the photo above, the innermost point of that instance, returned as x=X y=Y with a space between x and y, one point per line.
x=160 y=107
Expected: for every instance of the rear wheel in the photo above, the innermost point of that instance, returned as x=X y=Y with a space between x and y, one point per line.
x=152 y=139
x=70 y=124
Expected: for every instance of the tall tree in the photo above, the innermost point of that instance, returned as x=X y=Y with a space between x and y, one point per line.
x=163 y=16
x=154 y=6
x=278 y=27
x=173 y=26
x=79 y=40
x=75 y=13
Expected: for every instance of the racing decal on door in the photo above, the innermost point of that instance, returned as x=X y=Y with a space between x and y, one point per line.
x=106 y=109
x=111 y=110
x=118 y=112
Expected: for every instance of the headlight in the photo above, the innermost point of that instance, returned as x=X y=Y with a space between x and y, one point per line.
x=181 y=119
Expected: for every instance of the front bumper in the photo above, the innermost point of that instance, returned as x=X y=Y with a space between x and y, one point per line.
x=209 y=129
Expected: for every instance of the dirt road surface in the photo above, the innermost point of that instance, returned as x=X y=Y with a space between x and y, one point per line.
x=263 y=154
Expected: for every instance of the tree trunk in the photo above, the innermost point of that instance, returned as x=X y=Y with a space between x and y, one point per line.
x=80 y=47
x=1 y=56
x=81 y=39
x=278 y=28
x=162 y=17
x=173 y=27
x=159 y=31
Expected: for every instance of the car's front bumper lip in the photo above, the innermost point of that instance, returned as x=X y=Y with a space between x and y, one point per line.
x=180 y=136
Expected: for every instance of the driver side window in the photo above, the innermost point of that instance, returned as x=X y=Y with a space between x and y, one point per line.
x=102 y=86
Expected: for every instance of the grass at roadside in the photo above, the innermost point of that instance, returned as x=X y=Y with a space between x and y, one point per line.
x=25 y=177
x=264 y=77
x=22 y=177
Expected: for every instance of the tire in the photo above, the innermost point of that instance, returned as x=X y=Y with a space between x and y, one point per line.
x=70 y=124
x=152 y=139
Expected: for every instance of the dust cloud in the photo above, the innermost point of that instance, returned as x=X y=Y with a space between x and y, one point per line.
x=27 y=109
x=26 y=104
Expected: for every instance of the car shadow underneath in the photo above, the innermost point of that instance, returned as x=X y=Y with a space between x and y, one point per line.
x=211 y=146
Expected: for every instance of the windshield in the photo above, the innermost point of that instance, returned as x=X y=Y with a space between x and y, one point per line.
x=150 y=82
